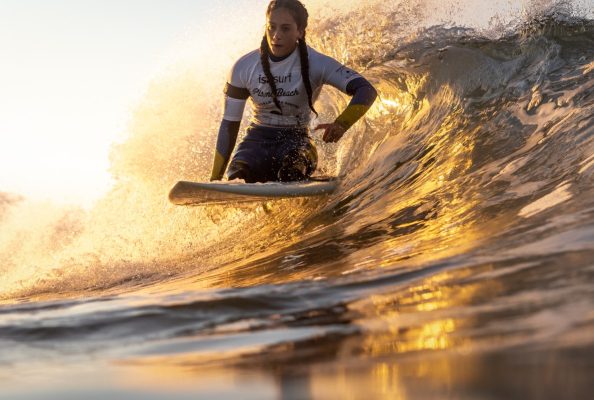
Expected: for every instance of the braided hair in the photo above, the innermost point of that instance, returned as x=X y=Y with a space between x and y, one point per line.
x=299 y=12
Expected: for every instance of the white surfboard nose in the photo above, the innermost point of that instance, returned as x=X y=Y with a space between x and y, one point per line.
x=205 y=193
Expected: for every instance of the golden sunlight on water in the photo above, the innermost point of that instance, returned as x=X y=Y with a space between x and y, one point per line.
x=407 y=337
x=420 y=318
x=391 y=380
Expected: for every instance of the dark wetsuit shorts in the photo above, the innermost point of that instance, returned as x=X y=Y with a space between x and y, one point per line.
x=274 y=154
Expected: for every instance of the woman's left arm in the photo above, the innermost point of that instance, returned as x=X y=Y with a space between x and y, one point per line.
x=364 y=94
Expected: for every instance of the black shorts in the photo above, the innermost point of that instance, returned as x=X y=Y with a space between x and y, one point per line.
x=274 y=154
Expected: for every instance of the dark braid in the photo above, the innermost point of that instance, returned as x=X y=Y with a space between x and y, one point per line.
x=301 y=16
x=266 y=65
x=305 y=72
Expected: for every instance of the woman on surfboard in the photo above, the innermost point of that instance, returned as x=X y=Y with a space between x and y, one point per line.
x=283 y=78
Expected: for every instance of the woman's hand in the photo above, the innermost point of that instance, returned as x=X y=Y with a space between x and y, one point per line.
x=332 y=132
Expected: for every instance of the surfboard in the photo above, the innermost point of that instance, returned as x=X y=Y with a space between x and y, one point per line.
x=186 y=193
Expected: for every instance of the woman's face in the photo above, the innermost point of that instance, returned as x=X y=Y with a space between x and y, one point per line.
x=282 y=32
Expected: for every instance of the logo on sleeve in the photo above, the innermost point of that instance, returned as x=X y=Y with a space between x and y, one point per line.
x=345 y=73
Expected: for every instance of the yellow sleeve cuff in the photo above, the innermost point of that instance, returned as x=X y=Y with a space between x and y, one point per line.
x=219 y=167
x=351 y=115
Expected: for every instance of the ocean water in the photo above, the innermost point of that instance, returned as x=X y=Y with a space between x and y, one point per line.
x=456 y=260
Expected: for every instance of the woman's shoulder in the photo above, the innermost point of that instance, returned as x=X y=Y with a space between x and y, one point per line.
x=241 y=69
x=313 y=53
x=316 y=56
x=320 y=61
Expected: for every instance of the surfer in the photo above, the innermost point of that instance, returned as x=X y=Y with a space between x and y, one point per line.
x=283 y=78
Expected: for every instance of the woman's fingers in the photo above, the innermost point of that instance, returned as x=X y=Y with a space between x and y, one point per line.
x=326 y=128
x=327 y=134
x=331 y=135
x=332 y=132
x=322 y=126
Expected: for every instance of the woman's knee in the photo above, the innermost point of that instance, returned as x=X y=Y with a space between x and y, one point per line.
x=239 y=170
x=298 y=165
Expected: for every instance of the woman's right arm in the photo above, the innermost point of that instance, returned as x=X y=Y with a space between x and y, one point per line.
x=235 y=99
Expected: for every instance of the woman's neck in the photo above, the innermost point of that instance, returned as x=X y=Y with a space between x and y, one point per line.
x=278 y=59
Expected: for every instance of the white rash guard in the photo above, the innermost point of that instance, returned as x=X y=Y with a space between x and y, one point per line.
x=247 y=79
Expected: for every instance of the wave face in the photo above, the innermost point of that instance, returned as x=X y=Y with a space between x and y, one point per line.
x=457 y=256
